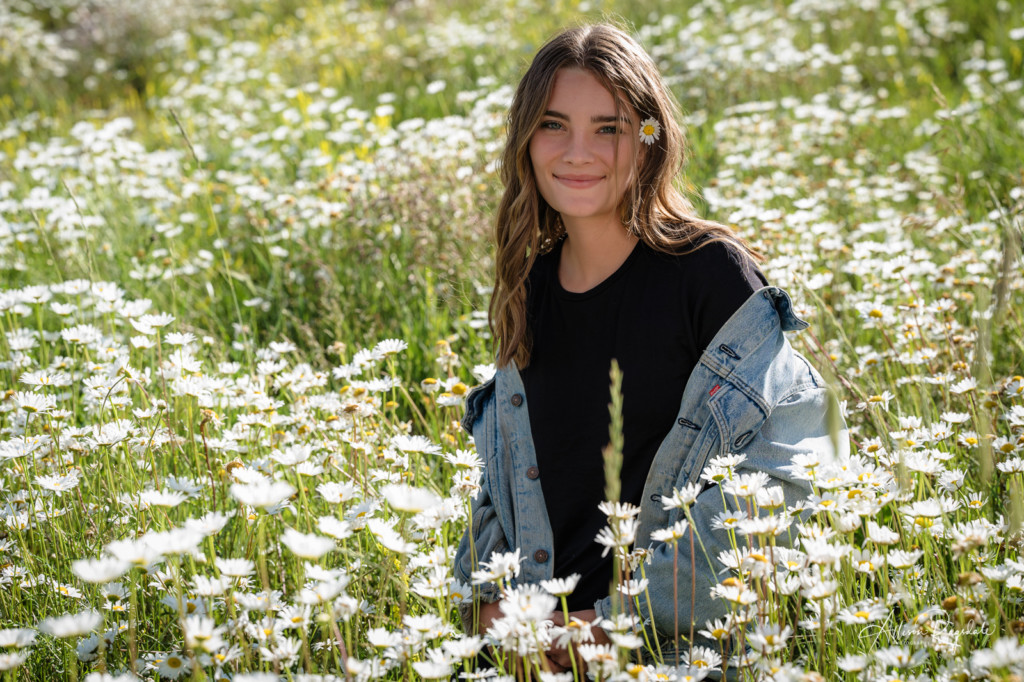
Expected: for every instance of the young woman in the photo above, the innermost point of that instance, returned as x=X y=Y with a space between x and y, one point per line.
x=600 y=257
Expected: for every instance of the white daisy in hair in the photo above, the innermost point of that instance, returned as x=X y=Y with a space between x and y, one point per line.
x=650 y=131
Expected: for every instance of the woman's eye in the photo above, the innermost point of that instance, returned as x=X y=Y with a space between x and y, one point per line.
x=609 y=130
x=551 y=125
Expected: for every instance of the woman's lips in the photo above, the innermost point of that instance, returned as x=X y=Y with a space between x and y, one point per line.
x=579 y=181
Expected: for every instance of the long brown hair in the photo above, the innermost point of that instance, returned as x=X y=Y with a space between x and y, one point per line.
x=654 y=209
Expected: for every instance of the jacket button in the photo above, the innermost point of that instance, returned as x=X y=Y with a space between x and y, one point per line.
x=517 y=399
x=533 y=473
x=540 y=556
x=742 y=440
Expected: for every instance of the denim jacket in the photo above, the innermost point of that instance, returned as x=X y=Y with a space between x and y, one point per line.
x=750 y=393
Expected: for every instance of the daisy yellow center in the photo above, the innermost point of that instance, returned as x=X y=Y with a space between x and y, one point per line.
x=862 y=614
x=648 y=129
x=173 y=662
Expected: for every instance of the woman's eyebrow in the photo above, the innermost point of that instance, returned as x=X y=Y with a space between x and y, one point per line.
x=593 y=119
x=610 y=119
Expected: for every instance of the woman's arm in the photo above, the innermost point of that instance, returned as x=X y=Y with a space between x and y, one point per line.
x=680 y=581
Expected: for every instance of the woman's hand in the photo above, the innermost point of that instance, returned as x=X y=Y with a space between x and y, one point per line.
x=490 y=612
x=561 y=658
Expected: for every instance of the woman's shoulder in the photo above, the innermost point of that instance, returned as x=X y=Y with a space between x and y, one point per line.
x=705 y=281
x=708 y=258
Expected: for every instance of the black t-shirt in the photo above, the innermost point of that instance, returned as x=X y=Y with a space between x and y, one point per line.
x=656 y=314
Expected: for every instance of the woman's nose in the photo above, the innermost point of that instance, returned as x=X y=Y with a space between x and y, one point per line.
x=577 y=149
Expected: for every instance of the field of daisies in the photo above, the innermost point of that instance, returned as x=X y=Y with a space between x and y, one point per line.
x=244 y=266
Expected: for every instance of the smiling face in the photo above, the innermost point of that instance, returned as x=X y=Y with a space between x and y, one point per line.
x=584 y=156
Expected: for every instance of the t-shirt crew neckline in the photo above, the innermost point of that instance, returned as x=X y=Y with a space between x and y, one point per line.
x=608 y=281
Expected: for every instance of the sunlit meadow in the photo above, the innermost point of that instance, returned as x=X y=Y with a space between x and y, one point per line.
x=244 y=262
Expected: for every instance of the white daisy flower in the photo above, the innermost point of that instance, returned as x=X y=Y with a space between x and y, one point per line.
x=408 y=498
x=263 y=493
x=307 y=546
x=650 y=131
x=18 y=638
x=100 y=570
x=71 y=624
x=236 y=568
x=558 y=587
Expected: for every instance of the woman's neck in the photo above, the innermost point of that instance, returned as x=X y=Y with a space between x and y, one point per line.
x=591 y=253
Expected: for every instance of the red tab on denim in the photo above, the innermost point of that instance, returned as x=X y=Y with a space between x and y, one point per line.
x=714 y=389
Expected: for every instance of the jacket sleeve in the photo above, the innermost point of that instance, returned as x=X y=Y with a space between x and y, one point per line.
x=798 y=423
x=484 y=535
